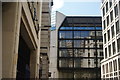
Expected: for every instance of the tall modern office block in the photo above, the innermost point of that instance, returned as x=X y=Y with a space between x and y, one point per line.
x=110 y=65
x=76 y=47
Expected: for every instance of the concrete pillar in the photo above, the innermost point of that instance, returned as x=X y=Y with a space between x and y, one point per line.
x=34 y=64
x=11 y=13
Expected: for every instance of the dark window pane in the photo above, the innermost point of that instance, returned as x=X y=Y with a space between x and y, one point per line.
x=65 y=53
x=110 y=3
x=106 y=53
x=77 y=34
x=77 y=63
x=119 y=64
x=68 y=43
x=104 y=38
x=118 y=44
x=62 y=43
x=117 y=27
x=109 y=47
x=99 y=33
x=79 y=43
x=65 y=43
x=112 y=31
x=103 y=11
x=78 y=52
x=111 y=16
x=116 y=10
x=104 y=24
x=108 y=35
x=111 y=68
x=66 y=63
x=108 y=20
x=115 y=65
x=65 y=34
x=84 y=34
x=106 y=7
x=101 y=54
x=114 y=48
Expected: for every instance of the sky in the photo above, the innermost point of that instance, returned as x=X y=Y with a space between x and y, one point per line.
x=78 y=7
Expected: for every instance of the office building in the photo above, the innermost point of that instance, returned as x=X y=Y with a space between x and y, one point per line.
x=21 y=38
x=110 y=65
x=76 y=47
x=45 y=38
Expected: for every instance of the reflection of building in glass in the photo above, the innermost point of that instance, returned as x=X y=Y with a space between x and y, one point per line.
x=77 y=47
x=110 y=65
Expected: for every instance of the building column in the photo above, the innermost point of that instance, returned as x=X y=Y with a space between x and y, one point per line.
x=34 y=63
x=11 y=13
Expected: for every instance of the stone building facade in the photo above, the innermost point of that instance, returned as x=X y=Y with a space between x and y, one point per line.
x=110 y=65
x=21 y=23
x=45 y=38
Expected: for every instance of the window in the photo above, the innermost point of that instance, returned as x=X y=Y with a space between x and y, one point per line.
x=65 y=53
x=103 y=69
x=104 y=24
x=65 y=43
x=79 y=43
x=78 y=52
x=103 y=12
x=116 y=10
x=108 y=35
x=101 y=40
x=104 y=38
x=115 y=65
x=107 y=68
x=114 y=48
x=117 y=27
x=76 y=46
x=109 y=47
x=62 y=43
x=77 y=63
x=99 y=33
x=112 y=31
x=101 y=53
x=88 y=54
x=105 y=52
x=118 y=44
x=111 y=16
x=94 y=54
x=66 y=63
x=119 y=63
x=110 y=64
x=107 y=20
x=101 y=46
x=110 y=2
x=106 y=7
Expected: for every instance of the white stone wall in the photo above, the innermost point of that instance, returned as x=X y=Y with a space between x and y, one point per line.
x=115 y=56
x=53 y=46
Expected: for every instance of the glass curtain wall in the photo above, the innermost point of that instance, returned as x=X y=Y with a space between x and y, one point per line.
x=79 y=47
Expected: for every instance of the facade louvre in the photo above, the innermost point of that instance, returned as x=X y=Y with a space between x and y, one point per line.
x=110 y=65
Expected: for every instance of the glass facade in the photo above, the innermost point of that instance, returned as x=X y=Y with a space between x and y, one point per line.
x=80 y=44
